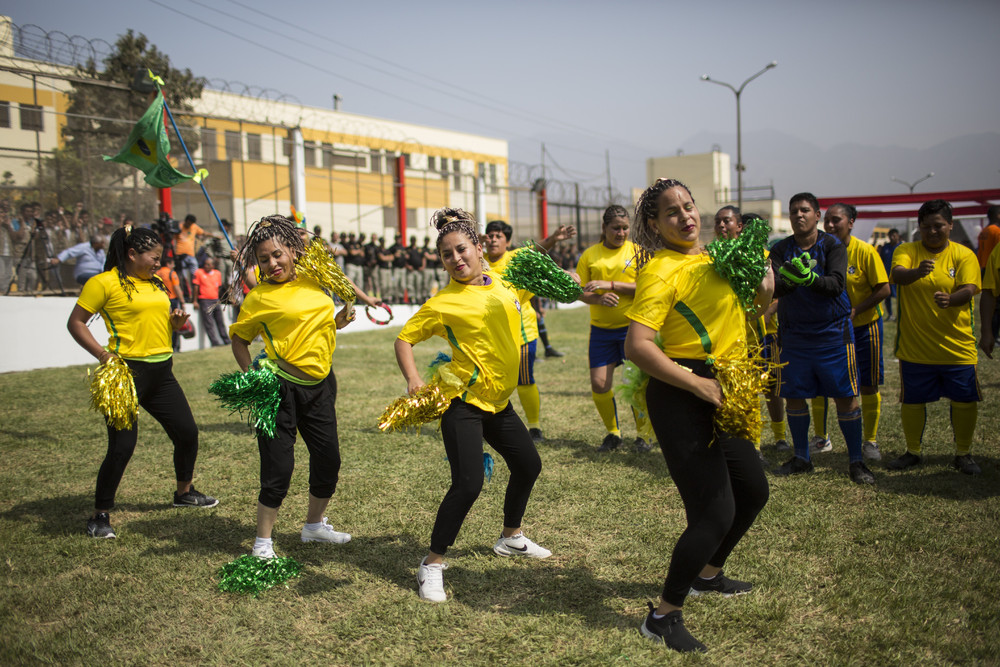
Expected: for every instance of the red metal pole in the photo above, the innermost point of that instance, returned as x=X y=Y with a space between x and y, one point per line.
x=543 y=212
x=401 y=196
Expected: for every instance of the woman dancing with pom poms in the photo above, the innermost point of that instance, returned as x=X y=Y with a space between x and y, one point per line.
x=481 y=320
x=683 y=298
x=136 y=310
x=295 y=317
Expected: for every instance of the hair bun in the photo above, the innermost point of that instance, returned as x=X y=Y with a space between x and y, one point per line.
x=443 y=216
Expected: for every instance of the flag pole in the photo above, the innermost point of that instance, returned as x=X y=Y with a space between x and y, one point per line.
x=173 y=123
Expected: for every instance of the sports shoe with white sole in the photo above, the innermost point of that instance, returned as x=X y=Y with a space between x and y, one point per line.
x=820 y=445
x=325 y=533
x=870 y=451
x=721 y=584
x=519 y=545
x=265 y=551
x=430 y=581
x=193 y=498
x=670 y=630
x=100 y=526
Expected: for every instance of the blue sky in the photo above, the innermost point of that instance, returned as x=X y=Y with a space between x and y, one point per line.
x=586 y=77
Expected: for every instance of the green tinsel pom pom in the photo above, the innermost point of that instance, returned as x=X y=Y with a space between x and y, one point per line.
x=250 y=575
x=255 y=394
x=741 y=261
x=535 y=271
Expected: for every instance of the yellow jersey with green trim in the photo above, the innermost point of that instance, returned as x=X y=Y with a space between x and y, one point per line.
x=991 y=274
x=528 y=316
x=599 y=262
x=865 y=270
x=295 y=319
x=926 y=333
x=482 y=324
x=693 y=308
x=138 y=327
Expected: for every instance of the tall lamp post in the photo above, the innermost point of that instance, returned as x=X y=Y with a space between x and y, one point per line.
x=911 y=186
x=739 y=136
x=914 y=183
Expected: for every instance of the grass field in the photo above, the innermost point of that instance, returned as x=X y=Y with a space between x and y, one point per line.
x=904 y=573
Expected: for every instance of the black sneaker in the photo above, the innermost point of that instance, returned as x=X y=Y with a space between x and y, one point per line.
x=905 y=461
x=764 y=463
x=641 y=446
x=611 y=443
x=965 y=464
x=100 y=526
x=536 y=435
x=720 y=583
x=860 y=474
x=782 y=446
x=794 y=466
x=553 y=352
x=670 y=630
x=192 y=498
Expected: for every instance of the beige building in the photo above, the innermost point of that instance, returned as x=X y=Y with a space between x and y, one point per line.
x=709 y=176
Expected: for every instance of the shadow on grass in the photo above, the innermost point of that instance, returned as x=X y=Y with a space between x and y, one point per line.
x=935 y=477
x=68 y=514
x=28 y=435
x=236 y=427
x=651 y=461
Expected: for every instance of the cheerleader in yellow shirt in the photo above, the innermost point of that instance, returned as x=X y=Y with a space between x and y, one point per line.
x=607 y=274
x=295 y=317
x=719 y=476
x=481 y=320
x=134 y=305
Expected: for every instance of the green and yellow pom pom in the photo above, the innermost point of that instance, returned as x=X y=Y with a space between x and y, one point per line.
x=112 y=393
x=535 y=271
x=250 y=575
x=320 y=265
x=742 y=261
x=254 y=394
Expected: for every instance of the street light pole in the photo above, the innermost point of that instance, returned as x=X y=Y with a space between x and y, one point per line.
x=739 y=130
x=915 y=183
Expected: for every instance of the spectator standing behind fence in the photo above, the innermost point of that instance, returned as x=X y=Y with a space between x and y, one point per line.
x=432 y=269
x=89 y=258
x=9 y=235
x=936 y=345
x=207 y=283
x=986 y=247
x=384 y=260
x=415 y=264
x=24 y=262
x=172 y=284
x=185 y=250
x=885 y=252
x=398 y=252
x=354 y=262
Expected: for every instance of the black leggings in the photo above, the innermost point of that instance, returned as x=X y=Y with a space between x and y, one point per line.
x=719 y=477
x=312 y=411
x=163 y=398
x=463 y=428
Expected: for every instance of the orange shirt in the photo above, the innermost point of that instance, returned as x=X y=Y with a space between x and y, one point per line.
x=988 y=239
x=184 y=244
x=171 y=281
x=208 y=283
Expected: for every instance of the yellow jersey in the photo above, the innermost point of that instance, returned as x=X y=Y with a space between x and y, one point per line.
x=138 y=327
x=928 y=334
x=528 y=316
x=295 y=319
x=599 y=262
x=865 y=270
x=482 y=324
x=991 y=274
x=693 y=307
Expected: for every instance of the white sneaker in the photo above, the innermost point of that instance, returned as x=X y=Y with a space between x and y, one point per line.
x=870 y=451
x=325 y=533
x=265 y=551
x=819 y=445
x=519 y=545
x=430 y=581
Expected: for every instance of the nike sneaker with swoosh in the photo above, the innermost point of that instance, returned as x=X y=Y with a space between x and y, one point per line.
x=430 y=581
x=519 y=545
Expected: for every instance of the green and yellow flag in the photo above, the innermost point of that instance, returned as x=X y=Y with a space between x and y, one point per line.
x=147 y=149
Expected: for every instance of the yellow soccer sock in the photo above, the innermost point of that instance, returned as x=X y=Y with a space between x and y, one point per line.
x=871 y=410
x=531 y=402
x=642 y=425
x=818 y=407
x=608 y=411
x=778 y=429
x=913 y=416
x=963 y=423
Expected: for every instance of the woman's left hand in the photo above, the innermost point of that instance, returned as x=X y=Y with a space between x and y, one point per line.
x=178 y=317
x=595 y=285
x=345 y=316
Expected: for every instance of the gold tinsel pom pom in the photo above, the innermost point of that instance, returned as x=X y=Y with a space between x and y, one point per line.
x=425 y=405
x=112 y=393
x=317 y=263
x=742 y=379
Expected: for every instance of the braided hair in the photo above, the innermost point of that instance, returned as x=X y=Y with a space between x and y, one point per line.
x=283 y=230
x=448 y=220
x=139 y=239
x=646 y=239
